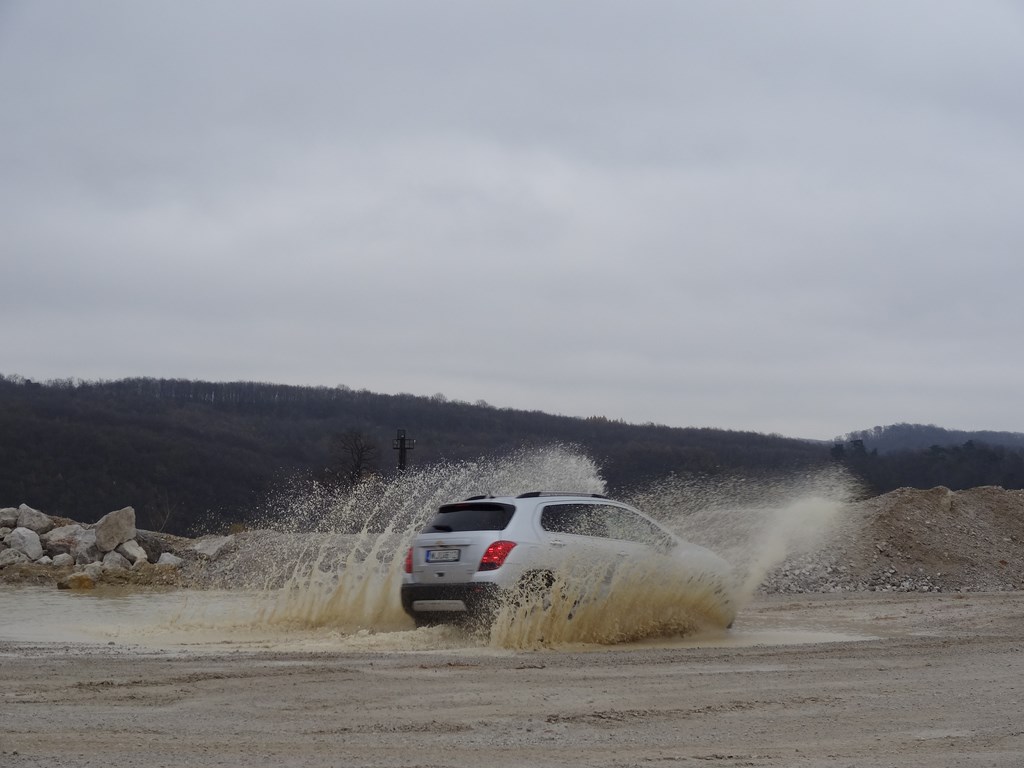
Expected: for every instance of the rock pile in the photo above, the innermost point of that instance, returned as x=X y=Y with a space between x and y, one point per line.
x=79 y=554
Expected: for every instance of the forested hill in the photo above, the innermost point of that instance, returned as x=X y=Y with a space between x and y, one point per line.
x=178 y=449
x=182 y=452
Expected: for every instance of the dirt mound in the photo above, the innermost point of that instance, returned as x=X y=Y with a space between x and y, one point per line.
x=913 y=540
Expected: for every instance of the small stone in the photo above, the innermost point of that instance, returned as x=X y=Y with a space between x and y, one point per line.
x=63 y=560
x=213 y=547
x=61 y=539
x=172 y=561
x=152 y=543
x=132 y=552
x=115 y=561
x=12 y=557
x=77 y=580
x=9 y=518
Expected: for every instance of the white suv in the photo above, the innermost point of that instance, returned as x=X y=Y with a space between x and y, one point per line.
x=478 y=552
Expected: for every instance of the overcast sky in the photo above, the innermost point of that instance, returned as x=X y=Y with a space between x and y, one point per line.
x=793 y=217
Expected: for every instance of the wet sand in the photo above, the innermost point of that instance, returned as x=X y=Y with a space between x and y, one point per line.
x=900 y=680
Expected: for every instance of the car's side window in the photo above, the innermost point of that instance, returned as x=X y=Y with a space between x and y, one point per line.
x=577 y=519
x=626 y=525
x=602 y=520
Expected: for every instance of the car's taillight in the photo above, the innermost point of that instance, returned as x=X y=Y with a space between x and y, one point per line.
x=495 y=555
x=408 y=561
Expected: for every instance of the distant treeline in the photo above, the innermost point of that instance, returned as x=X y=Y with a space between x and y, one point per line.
x=915 y=437
x=182 y=452
x=969 y=465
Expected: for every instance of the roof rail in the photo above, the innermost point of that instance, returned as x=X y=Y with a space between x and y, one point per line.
x=535 y=494
x=481 y=496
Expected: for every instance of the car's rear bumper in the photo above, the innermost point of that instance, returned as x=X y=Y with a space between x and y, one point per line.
x=450 y=599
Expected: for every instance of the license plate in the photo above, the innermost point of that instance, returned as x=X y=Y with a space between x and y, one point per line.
x=442 y=555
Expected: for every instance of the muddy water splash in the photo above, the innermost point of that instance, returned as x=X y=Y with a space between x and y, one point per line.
x=756 y=524
x=340 y=555
x=659 y=597
x=351 y=580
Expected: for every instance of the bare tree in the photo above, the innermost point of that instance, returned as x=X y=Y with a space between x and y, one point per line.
x=351 y=457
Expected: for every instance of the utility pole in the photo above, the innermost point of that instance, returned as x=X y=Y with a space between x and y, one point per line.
x=402 y=444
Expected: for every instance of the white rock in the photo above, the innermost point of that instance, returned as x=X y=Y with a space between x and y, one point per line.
x=44 y=560
x=168 y=559
x=133 y=552
x=115 y=528
x=25 y=540
x=63 y=560
x=33 y=519
x=12 y=557
x=9 y=518
x=213 y=546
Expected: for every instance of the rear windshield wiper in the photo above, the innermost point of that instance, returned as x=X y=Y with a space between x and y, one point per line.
x=442 y=528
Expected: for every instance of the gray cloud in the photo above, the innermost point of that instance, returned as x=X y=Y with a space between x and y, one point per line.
x=796 y=217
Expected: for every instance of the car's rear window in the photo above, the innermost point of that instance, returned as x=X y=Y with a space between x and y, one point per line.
x=471 y=516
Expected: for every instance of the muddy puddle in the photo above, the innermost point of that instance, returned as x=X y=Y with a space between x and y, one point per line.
x=335 y=586
x=183 y=621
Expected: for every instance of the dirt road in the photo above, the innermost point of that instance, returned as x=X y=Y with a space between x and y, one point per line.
x=940 y=683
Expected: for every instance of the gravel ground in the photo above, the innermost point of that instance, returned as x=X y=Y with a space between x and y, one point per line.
x=939 y=683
